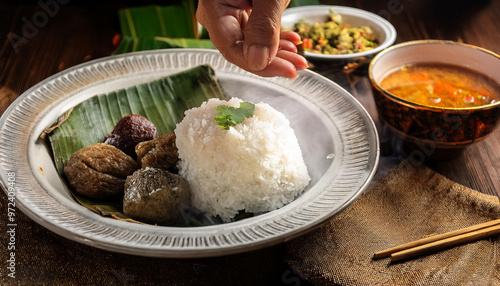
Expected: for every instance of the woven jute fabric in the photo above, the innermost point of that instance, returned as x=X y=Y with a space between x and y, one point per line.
x=409 y=203
x=45 y=258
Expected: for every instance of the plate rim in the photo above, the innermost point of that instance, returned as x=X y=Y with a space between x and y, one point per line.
x=230 y=248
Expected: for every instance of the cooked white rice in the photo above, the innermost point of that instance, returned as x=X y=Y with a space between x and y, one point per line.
x=255 y=166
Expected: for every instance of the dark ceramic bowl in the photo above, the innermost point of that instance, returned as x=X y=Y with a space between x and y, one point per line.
x=438 y=132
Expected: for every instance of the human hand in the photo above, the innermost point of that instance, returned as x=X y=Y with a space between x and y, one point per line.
x=247 y=33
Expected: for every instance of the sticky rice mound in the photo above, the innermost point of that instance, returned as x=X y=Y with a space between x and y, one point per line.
x=256 y=166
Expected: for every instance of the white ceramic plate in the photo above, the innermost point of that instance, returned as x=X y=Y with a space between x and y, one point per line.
x=353 y=17
x=336 y=134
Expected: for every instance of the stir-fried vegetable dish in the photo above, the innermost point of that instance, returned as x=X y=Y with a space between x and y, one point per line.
x=334 y=37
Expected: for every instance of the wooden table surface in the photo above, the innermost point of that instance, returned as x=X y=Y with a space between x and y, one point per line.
x=79 y=32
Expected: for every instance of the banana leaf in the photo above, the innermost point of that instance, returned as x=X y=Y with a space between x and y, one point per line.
x=162 y=101
x=104 y=208
x=160 y=27
x=131 y=44
x=173 y=21
x=296 y=3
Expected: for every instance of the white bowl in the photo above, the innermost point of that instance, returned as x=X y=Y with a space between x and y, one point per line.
x=383 y=30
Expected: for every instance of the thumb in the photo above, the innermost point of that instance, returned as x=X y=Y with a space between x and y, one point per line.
x=262 y=33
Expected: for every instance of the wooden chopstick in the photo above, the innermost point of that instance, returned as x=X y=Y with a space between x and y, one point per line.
x=445 y=243
x=441 y=241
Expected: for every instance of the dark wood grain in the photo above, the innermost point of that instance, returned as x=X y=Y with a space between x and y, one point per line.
x=472 y=22
x=80 y=32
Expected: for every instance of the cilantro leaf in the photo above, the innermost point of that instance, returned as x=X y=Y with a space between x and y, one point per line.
x=229 y=116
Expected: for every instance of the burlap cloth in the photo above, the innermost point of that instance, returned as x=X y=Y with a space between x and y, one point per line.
x=409 y=203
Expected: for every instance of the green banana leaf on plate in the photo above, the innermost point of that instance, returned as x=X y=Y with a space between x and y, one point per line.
x=162 y=101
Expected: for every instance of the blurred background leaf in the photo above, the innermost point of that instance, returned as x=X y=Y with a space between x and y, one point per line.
x=173 y=21
x=160 y=27
x=295 y=3
x=171 y=26
x=134 y=44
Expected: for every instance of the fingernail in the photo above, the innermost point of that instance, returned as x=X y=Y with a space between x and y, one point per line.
x=301 y=67
x=258 y=57
x=290 y=75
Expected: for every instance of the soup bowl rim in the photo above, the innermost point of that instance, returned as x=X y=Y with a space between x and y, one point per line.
x=425 y=106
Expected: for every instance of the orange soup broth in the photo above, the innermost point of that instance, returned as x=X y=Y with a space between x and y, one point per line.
x=441 y=85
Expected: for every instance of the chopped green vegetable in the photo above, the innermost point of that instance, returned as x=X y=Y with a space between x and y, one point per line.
x=334 y=37
x=229 y=116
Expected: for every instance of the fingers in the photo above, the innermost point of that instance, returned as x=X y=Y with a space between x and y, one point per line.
x=240 y=4
x=224 y=23
x=251 y=39
x=279 y=67
x=262 y=33
x=298 y=61
x=287 y=46
x=291 y=36
x=285 y=64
